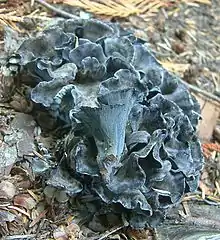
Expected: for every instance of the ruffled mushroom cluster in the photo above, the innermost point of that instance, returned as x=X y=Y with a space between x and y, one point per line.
x=133 y=138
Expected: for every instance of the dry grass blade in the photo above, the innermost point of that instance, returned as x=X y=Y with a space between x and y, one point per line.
x=25 y=236
x=3 y=23
x=19 y=210
x=198 y=1
x=122 y=8
x=152 y=6
x=10 y=18
x=178 y=68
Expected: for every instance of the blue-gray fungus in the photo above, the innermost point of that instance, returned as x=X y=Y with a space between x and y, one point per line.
x=133 y=141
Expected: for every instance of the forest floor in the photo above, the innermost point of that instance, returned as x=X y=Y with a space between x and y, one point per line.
x=185 y=38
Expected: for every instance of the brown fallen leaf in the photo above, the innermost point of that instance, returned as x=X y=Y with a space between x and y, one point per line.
x=21 y=104
x=24 y=184
x=210 y=115
x=7 y=190
x=138 y=234
x=25 y=201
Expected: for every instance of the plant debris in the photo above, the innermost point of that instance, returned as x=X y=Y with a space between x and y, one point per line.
x=119 y=8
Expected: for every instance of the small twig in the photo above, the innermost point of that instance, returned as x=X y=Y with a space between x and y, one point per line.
x=200 y=91
x=186 y=208
x=104 y=236
x=32 y=3
x=56 y=10
x=27 y=236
